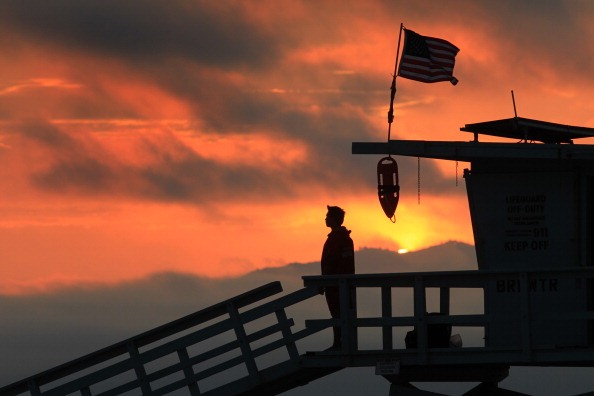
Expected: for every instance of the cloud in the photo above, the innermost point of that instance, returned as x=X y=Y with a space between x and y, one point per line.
x=244 y=112
x=78 y=161
x=222 y=66
x=146 y=31
x=36 y=83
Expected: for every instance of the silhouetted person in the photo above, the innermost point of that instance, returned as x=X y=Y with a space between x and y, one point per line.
x=338 y=257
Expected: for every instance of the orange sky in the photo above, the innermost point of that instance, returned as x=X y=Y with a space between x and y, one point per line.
x=207 y=137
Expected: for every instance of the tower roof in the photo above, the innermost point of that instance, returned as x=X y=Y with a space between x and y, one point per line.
x=529 y=130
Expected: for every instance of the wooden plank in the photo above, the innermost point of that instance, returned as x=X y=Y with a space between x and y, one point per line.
x=279 y=303
x=303 y=333
x=451 y=279
x=478 y=320
x=420 y=308
x=283 y=324
x=210 y=313
x=120 y=389
x=33 y=388
x=246 y=351
x=184 y=359
x=187 y=340
x=281 y=316
x=467 y=373
x=90 y=379
x=321 y=324
x=472 y=151
x=227 y=364
x=218 y=351
x=139 y=370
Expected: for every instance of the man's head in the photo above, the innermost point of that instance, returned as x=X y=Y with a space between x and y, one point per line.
x=334 y=217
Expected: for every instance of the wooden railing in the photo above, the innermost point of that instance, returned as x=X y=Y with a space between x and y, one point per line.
x=171 y=350
x=215 y=350
x=526 y=318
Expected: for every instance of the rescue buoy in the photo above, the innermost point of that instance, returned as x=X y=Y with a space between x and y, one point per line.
x=388 y=189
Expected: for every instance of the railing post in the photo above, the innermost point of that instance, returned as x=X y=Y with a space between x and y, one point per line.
x=444 y=300
x=348 y=316
x=420 y=307
x=33 y=388
x=281 y=316
x=387 y=343
x=145 y=385
x=353 y=315
x=184 y=359
x=244 y=344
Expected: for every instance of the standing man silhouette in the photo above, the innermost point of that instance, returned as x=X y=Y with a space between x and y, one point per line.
x=338 y=257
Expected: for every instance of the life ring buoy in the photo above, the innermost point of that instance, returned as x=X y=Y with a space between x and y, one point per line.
x=388 y=190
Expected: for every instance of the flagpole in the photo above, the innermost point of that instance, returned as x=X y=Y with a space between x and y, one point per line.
x=393 y=87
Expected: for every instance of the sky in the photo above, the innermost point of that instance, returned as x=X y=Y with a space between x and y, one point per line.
x=208 y=137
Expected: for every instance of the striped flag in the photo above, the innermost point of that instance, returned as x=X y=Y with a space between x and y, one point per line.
x=427 y=59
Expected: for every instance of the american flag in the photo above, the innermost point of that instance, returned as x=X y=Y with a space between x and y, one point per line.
x=427 y=59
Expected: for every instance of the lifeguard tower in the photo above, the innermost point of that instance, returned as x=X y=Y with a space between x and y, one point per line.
x=532 y=208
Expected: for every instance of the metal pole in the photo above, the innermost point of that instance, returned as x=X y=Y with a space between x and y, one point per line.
x=393 y=88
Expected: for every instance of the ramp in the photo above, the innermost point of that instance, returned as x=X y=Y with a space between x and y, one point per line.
x=190 y=353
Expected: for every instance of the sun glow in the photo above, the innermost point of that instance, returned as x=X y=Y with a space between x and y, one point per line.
x=416 y=227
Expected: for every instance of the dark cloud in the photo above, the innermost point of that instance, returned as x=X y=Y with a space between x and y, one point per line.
x=188 y=49
x=46 y=135
x=74 y=164
x=145 y=31
x=75 y=174
x=78 y=164
x=541 y=35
